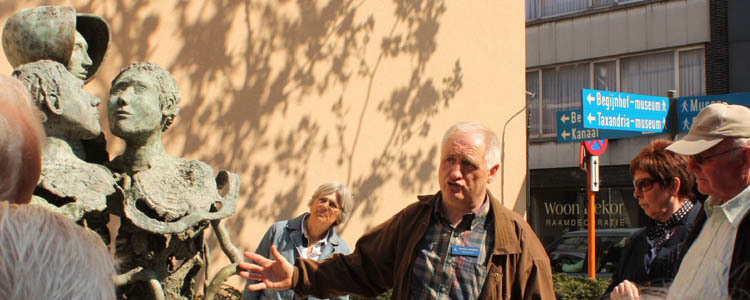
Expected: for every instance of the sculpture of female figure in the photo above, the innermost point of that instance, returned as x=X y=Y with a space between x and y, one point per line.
x=69 y=114
x=169 y=201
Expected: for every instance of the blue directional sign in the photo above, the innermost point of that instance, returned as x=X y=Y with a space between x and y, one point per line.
x=689 y=107
x=623 y=111
x=570 y=129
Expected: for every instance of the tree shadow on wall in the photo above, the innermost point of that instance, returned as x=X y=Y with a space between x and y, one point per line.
x=287 y=60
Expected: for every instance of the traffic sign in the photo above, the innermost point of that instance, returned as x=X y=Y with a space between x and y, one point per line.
x=623 y=111
x=595 y=147
x=689 y=107
x=593 y=173
x=570 y=129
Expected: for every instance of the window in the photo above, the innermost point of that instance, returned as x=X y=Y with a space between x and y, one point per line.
x=605 y=76
x=651 y=74
x=532 y=95
x=692 y=73
x=561 y=90
x=538 y=9
x=558 y=88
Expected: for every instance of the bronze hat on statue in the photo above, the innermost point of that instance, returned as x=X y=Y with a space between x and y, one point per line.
x=48 y=32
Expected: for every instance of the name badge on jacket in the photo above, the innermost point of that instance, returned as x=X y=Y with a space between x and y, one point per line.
x=465 y=251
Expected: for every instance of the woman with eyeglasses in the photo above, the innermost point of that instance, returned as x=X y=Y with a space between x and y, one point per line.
x=664 y=190
x=309 y=235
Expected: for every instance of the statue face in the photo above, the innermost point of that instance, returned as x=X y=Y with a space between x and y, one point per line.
x=134 y=109
x=80 y=62
x=79 y=108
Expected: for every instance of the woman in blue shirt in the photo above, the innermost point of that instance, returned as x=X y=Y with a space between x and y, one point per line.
x=309 y=235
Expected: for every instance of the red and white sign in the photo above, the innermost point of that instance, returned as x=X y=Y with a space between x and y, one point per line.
x=595 y=147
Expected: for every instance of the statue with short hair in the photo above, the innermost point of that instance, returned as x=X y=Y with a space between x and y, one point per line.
x=169 y=201
x=68 y=184
x=78 y=41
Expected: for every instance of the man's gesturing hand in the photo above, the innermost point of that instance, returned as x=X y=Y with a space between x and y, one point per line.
x=273 y=274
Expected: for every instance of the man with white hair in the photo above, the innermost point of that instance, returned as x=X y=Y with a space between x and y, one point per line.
x=21 y=137
x=44 y=255
x=459 y=243
x=717 y=262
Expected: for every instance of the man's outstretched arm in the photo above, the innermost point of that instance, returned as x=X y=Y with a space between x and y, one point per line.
x=271 y=274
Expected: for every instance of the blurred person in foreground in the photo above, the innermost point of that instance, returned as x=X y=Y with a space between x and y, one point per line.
x=44 y=255
x=310 y=235
x=458 y=243
x=21 y=139
x=664 y=191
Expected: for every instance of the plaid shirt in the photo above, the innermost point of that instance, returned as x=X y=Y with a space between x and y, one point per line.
x=440 y=274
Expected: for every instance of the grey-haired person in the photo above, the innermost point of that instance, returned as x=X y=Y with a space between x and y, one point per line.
x=44 y=255
x=310 y=235
x=459 y=243
x=717 y=262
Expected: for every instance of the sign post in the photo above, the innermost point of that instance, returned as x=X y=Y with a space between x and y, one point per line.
x=689 y=107
x=570 y=129
x=594 y=148
x=623 y=111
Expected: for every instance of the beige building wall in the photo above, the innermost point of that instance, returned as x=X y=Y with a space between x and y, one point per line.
x=292 y=94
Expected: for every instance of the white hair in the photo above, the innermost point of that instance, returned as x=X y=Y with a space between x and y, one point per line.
x=20 y=126
x=492 y=155
x=44 y=255
x=11 y=140
x=344 y=198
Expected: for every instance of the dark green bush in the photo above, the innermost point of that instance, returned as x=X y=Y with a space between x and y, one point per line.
x=578 y=287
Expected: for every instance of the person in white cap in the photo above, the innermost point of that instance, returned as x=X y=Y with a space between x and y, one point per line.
x=717 y=262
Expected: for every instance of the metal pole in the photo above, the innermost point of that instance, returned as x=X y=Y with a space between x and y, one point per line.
x=591 y=197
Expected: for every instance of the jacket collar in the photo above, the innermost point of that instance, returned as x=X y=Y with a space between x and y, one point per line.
x=295 y=231
x=506 y=235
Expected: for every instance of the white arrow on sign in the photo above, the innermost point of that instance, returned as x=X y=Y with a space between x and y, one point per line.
x=589 y=98
x=565 y=134
x=564 y=118
x=594 y=173
x=591 y=118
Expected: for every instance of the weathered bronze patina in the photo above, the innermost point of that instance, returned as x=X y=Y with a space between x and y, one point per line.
x=164 y=203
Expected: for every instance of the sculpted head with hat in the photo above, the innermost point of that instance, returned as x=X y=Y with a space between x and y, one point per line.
x=76 y=40
x=718 y=144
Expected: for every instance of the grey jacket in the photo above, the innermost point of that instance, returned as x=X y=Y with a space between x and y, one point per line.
x=286 y=236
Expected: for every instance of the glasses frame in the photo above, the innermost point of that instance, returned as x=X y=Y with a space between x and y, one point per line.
x=638 y=185
x=702 y=159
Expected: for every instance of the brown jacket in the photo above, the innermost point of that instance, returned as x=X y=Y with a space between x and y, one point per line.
x=383 y=259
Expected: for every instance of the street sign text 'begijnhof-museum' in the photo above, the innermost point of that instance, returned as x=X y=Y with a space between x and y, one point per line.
x=623 y=111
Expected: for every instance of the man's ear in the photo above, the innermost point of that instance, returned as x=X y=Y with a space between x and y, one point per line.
x=52 y=102
x=492 y=173
x=746 y=161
